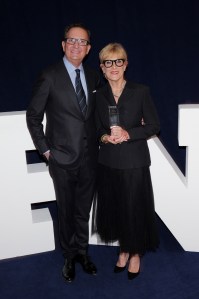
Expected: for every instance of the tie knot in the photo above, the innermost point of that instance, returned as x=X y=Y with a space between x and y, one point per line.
x=77 y=72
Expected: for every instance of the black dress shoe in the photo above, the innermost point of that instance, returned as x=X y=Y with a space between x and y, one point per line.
x=68 y=271
x=132 y=275
x=86 y=264
x=119 y=269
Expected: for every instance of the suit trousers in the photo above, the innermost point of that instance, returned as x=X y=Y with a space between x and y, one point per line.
x=74 y=190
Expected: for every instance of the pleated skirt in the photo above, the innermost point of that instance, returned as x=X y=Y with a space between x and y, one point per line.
x=124 y=209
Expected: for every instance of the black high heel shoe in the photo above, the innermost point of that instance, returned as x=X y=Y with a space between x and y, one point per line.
x=132 y=275
x=119 y=269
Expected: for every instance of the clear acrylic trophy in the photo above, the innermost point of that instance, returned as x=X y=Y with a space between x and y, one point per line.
x=113 y=116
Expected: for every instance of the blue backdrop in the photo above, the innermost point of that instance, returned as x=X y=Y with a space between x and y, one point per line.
x=161 y=38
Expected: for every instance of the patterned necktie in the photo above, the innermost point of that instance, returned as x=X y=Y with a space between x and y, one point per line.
x=80 y=93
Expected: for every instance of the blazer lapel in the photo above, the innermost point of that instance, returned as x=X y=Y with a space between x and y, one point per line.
x=127 y=94
x=109 y=95
x=65 y=81
x=91 y=92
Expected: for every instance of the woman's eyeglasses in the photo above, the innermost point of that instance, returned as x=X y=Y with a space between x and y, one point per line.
x=118 y=62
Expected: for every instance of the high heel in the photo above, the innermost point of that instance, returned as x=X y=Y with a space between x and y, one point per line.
x=132 y=275
x=119 y=269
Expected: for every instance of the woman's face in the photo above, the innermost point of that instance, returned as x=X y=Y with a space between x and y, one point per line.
x=114 y=67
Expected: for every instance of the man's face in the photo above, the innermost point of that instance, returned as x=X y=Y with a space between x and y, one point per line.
x=75 y=53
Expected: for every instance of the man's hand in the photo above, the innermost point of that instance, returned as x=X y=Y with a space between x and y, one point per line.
x=47 y=155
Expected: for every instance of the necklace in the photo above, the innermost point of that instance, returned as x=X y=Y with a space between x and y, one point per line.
x=120 y=90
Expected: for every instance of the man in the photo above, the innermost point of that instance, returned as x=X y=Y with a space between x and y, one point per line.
x=69 y=142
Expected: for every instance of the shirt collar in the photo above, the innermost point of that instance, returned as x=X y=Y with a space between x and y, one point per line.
x=70 y=67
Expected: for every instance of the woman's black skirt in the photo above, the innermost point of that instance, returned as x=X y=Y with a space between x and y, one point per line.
x=124 y=209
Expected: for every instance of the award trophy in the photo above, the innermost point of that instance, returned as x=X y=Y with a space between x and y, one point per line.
x=113 y=116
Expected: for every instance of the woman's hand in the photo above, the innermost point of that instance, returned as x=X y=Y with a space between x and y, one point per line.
x=118 y=135
x=108 y=139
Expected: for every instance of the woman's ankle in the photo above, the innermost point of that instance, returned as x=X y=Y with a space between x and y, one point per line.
x=134 y=263
x=123 y=258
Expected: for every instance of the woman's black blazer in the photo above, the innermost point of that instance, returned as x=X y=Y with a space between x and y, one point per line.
x=134 y=104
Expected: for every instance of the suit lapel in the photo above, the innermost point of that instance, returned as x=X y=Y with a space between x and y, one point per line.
x=90 y=90
x=127 y=94
x=108 y=95
x=65 y=82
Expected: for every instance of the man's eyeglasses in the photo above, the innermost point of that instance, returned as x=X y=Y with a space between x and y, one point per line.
x=118 y=62
x=80 y=41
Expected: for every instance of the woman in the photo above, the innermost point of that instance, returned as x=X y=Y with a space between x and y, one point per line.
x=125 y=205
